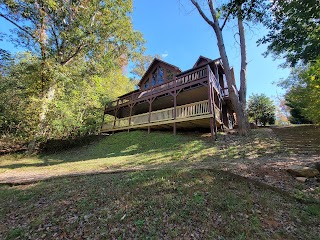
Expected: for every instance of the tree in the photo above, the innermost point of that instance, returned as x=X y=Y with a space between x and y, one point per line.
x=282 y=111
x=93 y=35
x=261 y=109
x=141 y=64
x=242 y=10
x=303 y=93
x=77 y=108
x=294 y=30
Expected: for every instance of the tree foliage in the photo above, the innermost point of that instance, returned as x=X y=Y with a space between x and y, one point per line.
x=65 y=29
x=261 y=109
x=72 y=65
x=303 y=93
x=294 y=30
x=78 y=105
x=141 y=64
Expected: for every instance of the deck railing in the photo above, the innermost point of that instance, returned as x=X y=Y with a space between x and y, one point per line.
x=182 y=112
x=180 y=80
x=215 y=82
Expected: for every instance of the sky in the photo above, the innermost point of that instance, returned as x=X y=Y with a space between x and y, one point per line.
x=175 y=30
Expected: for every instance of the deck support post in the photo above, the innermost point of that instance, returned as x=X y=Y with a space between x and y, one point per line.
x=213 y=124
x=175 y=93
x=115 y=117
x=150 y=109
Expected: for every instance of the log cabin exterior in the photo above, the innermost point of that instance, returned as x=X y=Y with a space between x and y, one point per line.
x=169 y=98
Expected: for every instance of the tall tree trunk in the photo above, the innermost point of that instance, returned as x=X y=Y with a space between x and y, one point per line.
x=243 y=125
x=243 y=70
x=47 y=89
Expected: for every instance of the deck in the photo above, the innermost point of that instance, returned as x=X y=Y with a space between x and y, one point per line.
x=189 y=112
x=183 y=80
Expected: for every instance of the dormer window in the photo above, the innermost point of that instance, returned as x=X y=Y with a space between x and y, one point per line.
x=146 y=85
x=160 y=75
x=157 y=77
x=154 y=79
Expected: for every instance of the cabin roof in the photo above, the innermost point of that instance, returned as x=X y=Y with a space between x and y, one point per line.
x=200 y=58
x=195 y=65
x=155 y=61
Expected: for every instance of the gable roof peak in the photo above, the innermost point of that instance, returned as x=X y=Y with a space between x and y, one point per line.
x=202 y=58
x=154 y=61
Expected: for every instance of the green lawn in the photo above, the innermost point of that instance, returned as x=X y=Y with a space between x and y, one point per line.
x=170 y=204
x=174 y=200
x=141 y=150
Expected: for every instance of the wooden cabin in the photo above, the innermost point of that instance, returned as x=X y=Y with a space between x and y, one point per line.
x=169 y=98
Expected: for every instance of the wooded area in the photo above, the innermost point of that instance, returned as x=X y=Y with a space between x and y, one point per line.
x=74 y=53
x=72 y=66
x=76 y=161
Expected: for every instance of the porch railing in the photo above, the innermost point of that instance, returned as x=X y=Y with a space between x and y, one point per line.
x=180 y=80
x=182 y=112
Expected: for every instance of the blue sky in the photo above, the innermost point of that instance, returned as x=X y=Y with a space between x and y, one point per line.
x=174 y=29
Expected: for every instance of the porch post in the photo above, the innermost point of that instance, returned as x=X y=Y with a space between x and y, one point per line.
x=131 y=106
x=214 y=114
x=175 y=107
x=149 y=118
x=115 y=117
x=213 y=128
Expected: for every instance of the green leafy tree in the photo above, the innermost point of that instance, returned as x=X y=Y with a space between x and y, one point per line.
x=76 y=48
x=294 y=30
x=78 y=105
x=141 y=64
x=303 y=93
x=261 y=109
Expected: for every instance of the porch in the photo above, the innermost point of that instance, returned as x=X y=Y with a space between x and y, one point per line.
x=196 y=114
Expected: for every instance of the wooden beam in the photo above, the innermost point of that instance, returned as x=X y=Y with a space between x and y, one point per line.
x=115 y=117
x=175 y=110
x=131 y=107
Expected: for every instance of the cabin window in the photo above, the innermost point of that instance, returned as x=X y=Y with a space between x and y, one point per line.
x=157 y=78
x=154 y=78
x=146 y=85
x=169 y=75
x=160 y=75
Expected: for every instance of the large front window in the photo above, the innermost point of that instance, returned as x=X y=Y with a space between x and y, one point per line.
x=157 y=77
x=160 y=75
x=146 y=85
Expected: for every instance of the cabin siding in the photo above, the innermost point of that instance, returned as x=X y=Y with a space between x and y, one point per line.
x=195 y=98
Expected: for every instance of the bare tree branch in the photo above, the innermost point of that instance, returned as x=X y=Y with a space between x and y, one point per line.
x=70 y=58
x=213 y=12
x=18 y=26
x=226 y=19
x=203 y=15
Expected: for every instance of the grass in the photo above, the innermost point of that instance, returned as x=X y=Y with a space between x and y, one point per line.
x=141 y=150
x=174 y=200
x=172 y=204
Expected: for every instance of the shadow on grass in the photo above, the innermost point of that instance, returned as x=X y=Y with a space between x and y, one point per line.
x=154 y=204
x=158 y=149
x=136 y=144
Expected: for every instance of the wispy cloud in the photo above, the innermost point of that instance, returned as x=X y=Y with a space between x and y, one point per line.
x=165 y=54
